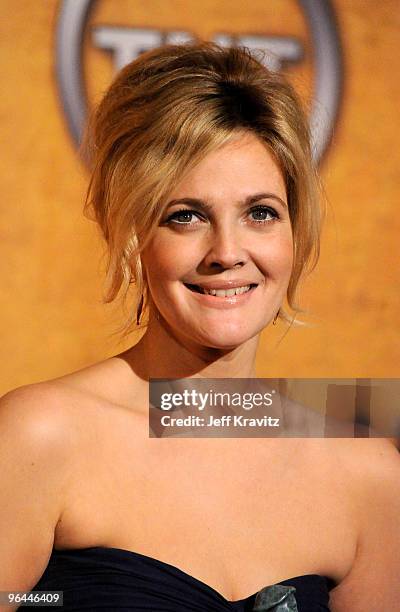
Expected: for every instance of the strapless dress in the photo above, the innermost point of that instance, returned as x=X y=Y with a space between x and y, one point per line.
x=113 y=579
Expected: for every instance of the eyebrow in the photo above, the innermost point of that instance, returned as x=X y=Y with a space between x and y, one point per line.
x=198 y=203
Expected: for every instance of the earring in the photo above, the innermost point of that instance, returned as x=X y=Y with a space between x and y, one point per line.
x=139 y=310
x=276 y=317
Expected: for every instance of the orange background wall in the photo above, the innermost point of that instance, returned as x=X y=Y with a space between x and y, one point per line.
x=52 y=318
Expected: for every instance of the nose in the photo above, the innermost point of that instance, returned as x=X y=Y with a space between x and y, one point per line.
x=225 y=249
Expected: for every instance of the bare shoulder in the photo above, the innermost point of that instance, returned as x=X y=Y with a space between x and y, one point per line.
x=36 y=411
x=34 y=470
x=368 y=459
x=48 y=430
x=373 y=467
x=33 y=417
x=369 y=466
x=36 y=425
x=111 y=380
x=56 y=409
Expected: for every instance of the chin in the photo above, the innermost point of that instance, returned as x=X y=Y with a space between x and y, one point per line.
x=226 y=338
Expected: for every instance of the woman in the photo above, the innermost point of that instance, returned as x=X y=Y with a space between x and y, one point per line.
x=202 y=184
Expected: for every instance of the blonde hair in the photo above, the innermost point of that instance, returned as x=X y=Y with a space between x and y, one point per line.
x=161 y=115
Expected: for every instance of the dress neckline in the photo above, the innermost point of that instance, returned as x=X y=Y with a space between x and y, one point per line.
x=173 y=568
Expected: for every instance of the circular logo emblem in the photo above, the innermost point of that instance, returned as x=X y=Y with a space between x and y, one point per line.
x=311 y=54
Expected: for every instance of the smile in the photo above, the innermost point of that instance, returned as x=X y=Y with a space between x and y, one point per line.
x=222 y=298
x=221 y=292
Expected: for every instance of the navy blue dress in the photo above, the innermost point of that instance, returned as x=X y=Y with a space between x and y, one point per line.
x=113 y=579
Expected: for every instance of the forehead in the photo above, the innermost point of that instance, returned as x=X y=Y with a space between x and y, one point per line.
x=241 y=166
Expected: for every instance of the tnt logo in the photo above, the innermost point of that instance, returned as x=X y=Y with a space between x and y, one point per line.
x=97 y=38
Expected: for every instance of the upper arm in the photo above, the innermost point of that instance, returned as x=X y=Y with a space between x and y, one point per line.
x=32 y=483
x=373 y=582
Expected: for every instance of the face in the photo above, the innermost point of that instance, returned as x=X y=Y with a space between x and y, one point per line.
x=220 y=262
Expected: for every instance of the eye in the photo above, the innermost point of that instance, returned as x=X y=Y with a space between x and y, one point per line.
x=263 y=214
x=183 y=217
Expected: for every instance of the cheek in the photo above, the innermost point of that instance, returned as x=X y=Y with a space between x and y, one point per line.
x=166 y=260
x=276 y=258
x=285 y=259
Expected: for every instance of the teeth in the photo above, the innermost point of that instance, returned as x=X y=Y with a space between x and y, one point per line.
x=226 y=292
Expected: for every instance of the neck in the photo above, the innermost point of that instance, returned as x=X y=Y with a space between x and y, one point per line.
x=161 y=354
